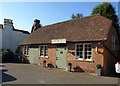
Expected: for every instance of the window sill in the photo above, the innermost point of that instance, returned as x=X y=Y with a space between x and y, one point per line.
x=84 y=60
x=43 y=57
x=26 y=55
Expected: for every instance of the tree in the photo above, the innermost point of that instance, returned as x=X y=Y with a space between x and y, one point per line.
x=73 y=16
x=78 y=15
x=36 y=25
x=107 y=10
x=7 y=55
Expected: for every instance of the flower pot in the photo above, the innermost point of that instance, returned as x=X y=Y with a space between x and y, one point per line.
x=68 y=68
x=98 y=72
x=44 y=63
x=98 y=69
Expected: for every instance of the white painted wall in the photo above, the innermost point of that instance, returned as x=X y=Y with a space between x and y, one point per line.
x=11 y=38
x=17 y=37
x=7 y=36
x=0 y=38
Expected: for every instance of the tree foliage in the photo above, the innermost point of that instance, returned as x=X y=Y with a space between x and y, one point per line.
x=78 y=15
x=107 y=10
x=7 y=55
x=36 y=25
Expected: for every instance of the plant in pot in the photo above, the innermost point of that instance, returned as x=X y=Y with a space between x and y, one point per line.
x=98 y=69
x=69 y=67
x=44 y=63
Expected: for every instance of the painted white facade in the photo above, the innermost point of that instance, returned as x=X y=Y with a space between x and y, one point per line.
x=0 y=38
x=10 y=37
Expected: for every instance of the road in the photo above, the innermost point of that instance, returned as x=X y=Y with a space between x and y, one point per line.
x=34 y=74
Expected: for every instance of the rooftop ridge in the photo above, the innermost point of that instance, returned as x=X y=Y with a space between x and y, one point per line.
x=75 y=19
x=79 y=29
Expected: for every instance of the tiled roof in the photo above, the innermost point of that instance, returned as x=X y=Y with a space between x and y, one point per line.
x=26 y=32
x=91 y=28
x=23 y=31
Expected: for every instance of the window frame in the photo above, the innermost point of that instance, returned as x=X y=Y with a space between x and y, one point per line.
x=43 y=51
x=83 y=52
x=25 y=50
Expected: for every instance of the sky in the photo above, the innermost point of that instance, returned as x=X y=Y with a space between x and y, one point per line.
x=23 y=14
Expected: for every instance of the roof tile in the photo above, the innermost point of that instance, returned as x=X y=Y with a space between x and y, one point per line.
x=91 y=28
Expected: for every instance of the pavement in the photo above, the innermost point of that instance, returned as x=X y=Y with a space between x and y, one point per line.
x=15 y=73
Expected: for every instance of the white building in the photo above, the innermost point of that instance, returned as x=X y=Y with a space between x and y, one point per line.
x=11 y=37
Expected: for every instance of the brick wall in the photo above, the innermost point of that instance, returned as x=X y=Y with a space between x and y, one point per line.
x=88 y=66
x=97 y=58
x=85 y=65
x=51 y=55
x=102 y=57
x=109 y=59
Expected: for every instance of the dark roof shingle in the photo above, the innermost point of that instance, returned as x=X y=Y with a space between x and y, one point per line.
x=91 y=28
x=23 y=31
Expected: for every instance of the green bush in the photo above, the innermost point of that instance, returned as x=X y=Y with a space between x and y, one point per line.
x=98 y=66
x=7 y=55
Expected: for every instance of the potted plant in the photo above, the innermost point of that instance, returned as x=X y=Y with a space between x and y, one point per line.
x=44 y=63
x=69 y=67
x=98 y=69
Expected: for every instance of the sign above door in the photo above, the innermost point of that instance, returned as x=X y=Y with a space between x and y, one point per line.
x=58 y=41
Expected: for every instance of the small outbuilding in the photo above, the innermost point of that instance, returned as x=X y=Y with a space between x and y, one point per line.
x=81 y=42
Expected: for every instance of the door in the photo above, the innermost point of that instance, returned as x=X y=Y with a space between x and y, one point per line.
x=61 y=56
x=34 y=55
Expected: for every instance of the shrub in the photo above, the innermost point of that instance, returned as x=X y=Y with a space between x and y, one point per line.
x=7 y=55
x=98 y=66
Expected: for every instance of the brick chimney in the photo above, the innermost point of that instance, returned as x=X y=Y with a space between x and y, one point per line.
x=36 y=23
x=8 y=22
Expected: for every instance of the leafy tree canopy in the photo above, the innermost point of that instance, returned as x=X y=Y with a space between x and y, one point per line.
x=78 y=15
x=107 y=10
x=36 y=25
